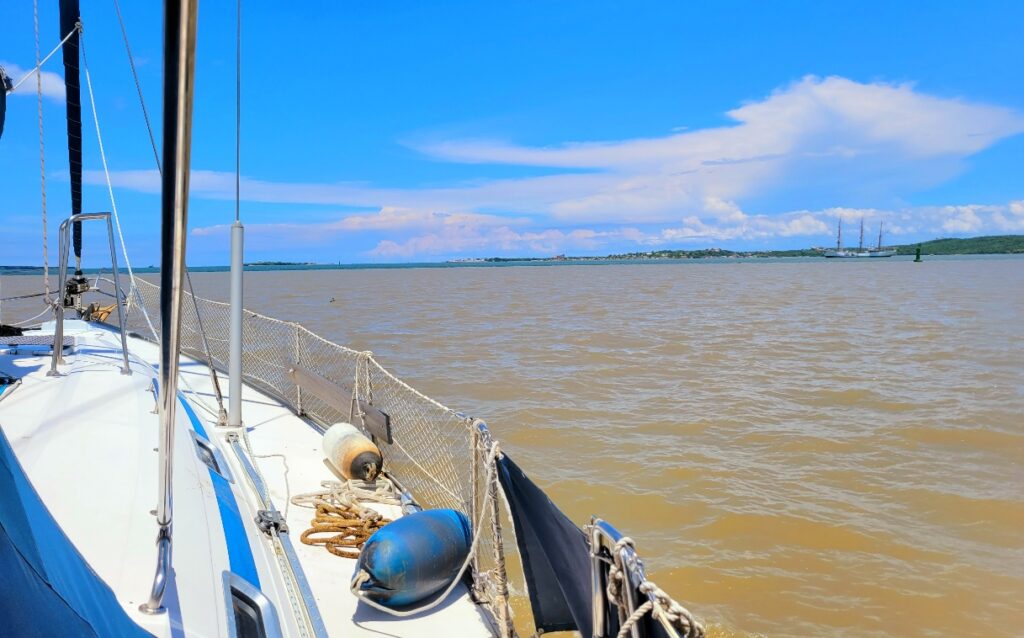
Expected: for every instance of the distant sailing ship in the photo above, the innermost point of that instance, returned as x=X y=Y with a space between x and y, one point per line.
x=842 y=253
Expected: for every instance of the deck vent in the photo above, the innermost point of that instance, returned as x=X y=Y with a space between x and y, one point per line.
x=211 y=456
x=250 y=613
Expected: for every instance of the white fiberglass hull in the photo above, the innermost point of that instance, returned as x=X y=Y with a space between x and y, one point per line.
x=848 y=254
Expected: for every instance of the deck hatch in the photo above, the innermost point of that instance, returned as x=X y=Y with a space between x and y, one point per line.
x=250 y=612
x=211 y=457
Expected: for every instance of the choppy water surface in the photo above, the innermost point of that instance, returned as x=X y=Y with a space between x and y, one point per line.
x=800 y=448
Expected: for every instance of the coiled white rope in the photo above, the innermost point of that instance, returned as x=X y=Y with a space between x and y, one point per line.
x=351 y=492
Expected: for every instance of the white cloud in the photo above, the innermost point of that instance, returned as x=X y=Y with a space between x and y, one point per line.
x=390 y=218
x=711 y=229
x=462 y=239
x=52 y=84
x=831 y=134
x=936 y=221
x=849 y=131
x=813 y=117
x=723 y=210
x=504 y=240
x=386 y=219
x=962 y=219
x=740 y=226
x=1012 y=220
x=534 y=195
x=416 y=233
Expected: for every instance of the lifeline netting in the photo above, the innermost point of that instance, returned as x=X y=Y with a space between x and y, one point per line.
x=436 y=452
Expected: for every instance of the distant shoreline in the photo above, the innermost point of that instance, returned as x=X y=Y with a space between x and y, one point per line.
x=504 y=263
x=987 y=245
x=978 y=246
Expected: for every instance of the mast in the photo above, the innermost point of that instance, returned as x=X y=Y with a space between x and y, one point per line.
x=69 y=22
x=880 y=234
x=860 y=248
x=839 y=235
x=179 y=73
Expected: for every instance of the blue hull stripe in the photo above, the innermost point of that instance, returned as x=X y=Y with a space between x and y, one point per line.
x=239 y=552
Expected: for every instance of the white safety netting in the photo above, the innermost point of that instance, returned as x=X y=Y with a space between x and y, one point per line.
x=437 y=454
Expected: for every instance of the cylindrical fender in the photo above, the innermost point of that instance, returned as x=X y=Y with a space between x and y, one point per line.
x=413 y=557
x=351 y=452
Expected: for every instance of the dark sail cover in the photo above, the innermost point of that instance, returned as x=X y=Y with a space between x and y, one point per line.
x=5 y=86
x=46 y=587
x=555 y=555
x=69 y=17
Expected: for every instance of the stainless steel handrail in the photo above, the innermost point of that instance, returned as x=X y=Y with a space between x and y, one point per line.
x=65 y=247
x=603 y=538
x=163 y=572
x=180 y=18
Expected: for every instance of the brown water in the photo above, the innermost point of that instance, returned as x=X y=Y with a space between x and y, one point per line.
x=800 y=448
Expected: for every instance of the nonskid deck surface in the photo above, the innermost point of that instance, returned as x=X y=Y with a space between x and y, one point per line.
x=86 y=441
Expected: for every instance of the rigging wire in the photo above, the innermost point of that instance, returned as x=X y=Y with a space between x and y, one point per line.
x=37 y=70
x=28 y=296
x=110 y=188
x=30 y=320
x=42 y=156
x=222 y=417
x=156 y=156
x=39 y=65
x=138 y=87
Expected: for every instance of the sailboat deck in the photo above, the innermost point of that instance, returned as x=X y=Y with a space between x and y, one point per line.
x=275 y=432
x=86 y=441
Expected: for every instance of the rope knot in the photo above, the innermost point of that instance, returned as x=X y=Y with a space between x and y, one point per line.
x=624 y=542
x=659 y=604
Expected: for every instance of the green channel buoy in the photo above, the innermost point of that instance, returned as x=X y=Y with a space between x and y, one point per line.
x=917 y=256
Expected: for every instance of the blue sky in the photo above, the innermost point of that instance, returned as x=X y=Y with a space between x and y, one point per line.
x=410 y=131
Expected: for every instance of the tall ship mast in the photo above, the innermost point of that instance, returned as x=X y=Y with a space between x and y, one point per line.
x=879 y=251
x=843 y=253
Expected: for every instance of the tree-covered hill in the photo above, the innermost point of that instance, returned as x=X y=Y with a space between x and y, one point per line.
x=991 y=244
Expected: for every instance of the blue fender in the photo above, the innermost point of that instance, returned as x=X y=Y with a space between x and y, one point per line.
x=413 y=557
